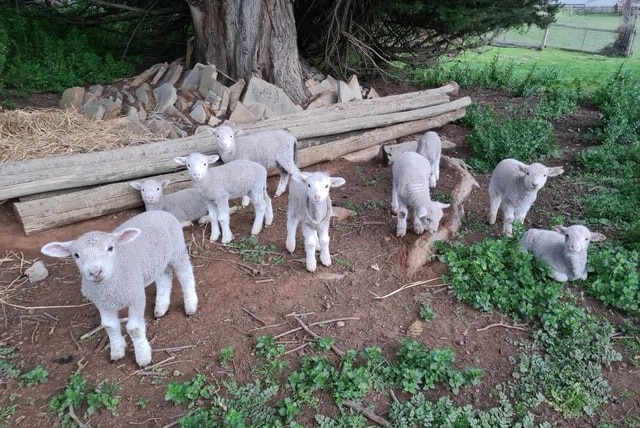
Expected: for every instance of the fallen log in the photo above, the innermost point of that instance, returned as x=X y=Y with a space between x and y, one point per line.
x=423 y=246
x=132 y=162
x=59 y=210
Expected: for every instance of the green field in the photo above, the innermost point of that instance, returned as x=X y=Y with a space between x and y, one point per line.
x=584 y=32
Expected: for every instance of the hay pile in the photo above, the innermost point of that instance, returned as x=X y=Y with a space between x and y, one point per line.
x=29 y=134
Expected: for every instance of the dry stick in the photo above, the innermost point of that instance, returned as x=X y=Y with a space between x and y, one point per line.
x=286 y=333
x=98 y=328
x=77 y=420
x=4 y=302
x=267 y=326
x=406 y=286
x=369 y=414
x=514 y=327
x=248 y=312
x=291 y=351
x=308 y=330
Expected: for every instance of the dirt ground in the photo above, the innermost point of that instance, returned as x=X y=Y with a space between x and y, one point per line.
x=239 y=300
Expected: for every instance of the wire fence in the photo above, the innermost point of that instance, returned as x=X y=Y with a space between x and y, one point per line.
x=593 y=35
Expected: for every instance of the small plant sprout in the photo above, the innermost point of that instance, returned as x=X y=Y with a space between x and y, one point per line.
x=226 y=355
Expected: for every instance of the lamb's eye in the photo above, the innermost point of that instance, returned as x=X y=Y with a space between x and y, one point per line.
x=205 y=164
x=110 y=248
x=76 y=255
x=157 y=188
x=326 y=186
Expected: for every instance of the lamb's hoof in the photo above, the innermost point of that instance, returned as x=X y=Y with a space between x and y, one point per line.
x=401 y=233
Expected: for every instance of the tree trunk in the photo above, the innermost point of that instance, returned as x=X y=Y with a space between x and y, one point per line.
x=245 y=38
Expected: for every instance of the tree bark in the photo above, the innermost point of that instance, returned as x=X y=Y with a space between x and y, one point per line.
x=245 y=38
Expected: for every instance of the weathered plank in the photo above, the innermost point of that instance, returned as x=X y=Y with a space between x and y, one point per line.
x=43 y=214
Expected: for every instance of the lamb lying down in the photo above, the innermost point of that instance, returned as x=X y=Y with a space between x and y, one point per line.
x=563 y=248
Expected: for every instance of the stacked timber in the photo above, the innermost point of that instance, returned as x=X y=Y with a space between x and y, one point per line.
x=56 y=191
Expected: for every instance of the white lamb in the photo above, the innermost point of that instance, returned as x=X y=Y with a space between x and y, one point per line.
x=271 y=148
x=187 y=205
x=410 y=188
x=310 y=203
x=563 y=248
x=116 y=267
x=231 y=180
x=430 y=146
x=515 y=186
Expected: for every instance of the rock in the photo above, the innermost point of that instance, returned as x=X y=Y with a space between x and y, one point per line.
x=92 y=94
x=36 y=272
x=191 y=78
x=160 y=71
x=208 y=75
x=235 y=91
x=172 y=75
x=145 y=75
x=372 y=94
x=346 y=94
x=72 y=98
x=328 y=276
x=144 y=94
x=363 y=155
x=242 y=114
x=274 y=98
x=92 y=110
x=198 y=113
x=165 y=96
x=323 y=99
x=342 y=213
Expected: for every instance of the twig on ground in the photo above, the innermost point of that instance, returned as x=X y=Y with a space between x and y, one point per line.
x=406 y=286
x=98 y=328
x=4 y=302
x=297 y=348
x=368 y=414
x=267 y=326
x=74 y=340
x=514 y=327
x=76 y=419
x=316 y=336
x=255 y=317
x=286 y=333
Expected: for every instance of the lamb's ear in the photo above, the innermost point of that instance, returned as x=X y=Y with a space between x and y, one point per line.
x=522 y=169
x=135 y=185
x=560 y=229
x=164 y=183
x=56 y=249
x=597 y=237
x=212 y=159
x=555 y=171
x=182 y=160
x=300 y=177
x=337 y=181
x=127 y=235
x=443 y=205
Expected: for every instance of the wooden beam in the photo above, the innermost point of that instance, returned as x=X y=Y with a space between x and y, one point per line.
x=65 y=172
x=43 y=214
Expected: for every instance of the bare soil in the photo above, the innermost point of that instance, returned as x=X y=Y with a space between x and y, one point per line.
x=239 y=300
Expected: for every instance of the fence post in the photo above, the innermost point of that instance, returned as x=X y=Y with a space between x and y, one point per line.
x=544 y=37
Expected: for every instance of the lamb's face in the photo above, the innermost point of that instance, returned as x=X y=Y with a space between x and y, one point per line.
x=225 y=138
x=431 y=216
x=535 y=176
x=576 y=238
x=197 y=166
x=318 y=187
x=151 y=191
x=94 y=253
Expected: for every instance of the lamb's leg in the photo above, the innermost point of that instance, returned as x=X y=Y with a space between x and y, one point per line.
x=401 y=229
x=184 y=272
x=494 y=204
x=223 y=218
x=323 y=240
x=215 y=227
x=164 y=282
x=394 y=200
x=509 y=216
x=310 y=243
x=292 y=226
x=111 y=324
x=418 y=226
x=520 y=214
x=282 y=183
x=268 y=217
x=432 y=179
x=246 y=200
x=260 y=208
x=559 y=276
x=138 y=334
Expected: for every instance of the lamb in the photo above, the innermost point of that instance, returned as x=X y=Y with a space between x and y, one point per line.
x=186 y=205
x=310 y=203
x=430 y=146
x=116 y=268
x=515 y=186
x=271 y=148
x=411 y=172
x=563 y=248
x=230 y=180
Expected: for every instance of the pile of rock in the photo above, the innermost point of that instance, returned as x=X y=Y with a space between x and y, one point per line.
x=171 y=102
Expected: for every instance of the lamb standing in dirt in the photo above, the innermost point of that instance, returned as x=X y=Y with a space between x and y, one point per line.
x=430 y=146
x=231 y=180
x=515 y=186
x=186 y=205
x=116 y=268
x=410 y=188
x=563 y=248
x=310 y=203
x=271 y=148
